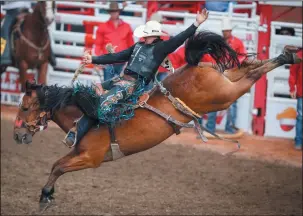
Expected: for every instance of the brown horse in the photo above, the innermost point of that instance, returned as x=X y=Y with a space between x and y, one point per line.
x=30 y=41
x=203 y=89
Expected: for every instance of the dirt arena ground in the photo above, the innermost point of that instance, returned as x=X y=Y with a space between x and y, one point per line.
x=181 y=176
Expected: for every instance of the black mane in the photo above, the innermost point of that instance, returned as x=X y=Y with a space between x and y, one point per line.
x=52 y=98
x=206 y=42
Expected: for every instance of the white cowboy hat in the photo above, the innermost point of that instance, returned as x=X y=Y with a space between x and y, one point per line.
x=151 y=28
x=156 y=17
x=226 y=24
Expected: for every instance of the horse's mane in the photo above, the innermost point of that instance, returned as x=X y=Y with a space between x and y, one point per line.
x=206 y=42
x=52 y=98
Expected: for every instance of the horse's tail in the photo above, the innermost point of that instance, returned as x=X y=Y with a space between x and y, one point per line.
x=206 y=42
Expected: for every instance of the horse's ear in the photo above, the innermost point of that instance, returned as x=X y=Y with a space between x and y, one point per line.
x=28 y=88
x=31 y=85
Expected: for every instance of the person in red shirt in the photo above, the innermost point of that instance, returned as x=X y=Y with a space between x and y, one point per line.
x=295 y=87
x=232 y=40
x=118 y=33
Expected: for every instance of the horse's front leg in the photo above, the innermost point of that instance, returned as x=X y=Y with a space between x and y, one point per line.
x=23 y=66
x=42 y=73
x=77 y=159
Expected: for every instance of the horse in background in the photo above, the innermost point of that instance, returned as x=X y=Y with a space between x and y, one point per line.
x=30 y=42
x=203 y=89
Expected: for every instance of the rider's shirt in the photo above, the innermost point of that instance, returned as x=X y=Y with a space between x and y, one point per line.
x=142 y=60
x=157 y=51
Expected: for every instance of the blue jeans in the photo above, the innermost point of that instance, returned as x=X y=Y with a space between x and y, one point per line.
x=298 y=138
x=111 y=70
x=231 y=119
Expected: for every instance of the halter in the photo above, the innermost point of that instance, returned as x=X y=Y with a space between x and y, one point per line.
x=40 y=123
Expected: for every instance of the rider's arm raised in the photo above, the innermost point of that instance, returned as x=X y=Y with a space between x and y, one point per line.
x=112 y=58
x=172 y=44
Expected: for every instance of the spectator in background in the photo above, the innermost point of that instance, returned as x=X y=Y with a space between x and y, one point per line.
x=286 y=31
x=238 y=46
x=295 y=85
x=118 y=33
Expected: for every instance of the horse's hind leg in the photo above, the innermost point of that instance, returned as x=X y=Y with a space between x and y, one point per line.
x=240 y=87
x=236 y=73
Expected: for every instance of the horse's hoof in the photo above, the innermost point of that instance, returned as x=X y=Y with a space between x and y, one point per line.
x=291 y=49
x=290 y=53
x=45 y=203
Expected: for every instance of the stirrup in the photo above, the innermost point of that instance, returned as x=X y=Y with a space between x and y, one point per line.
x=74 y=130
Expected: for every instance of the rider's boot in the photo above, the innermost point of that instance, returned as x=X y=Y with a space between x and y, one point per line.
x=52 y=58
x=78 y=131
x=10 y=17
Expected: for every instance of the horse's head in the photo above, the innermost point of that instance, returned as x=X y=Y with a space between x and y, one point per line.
x=47 y=11
x=30 y=118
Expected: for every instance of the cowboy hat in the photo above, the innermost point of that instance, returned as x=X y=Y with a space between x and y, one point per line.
x=151 y=28
x=226 y=24
x=114 y=6
x=156 y=17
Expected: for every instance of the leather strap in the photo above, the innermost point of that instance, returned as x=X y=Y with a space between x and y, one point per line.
x=115 y=148
x=165 y=116
x=31 y=44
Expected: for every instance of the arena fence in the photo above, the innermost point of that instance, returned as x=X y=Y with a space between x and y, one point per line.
x=70 y=43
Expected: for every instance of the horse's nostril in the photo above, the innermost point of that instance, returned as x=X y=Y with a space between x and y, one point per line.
x=23 y=138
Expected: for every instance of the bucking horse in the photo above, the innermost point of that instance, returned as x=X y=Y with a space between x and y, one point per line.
x=202 y=89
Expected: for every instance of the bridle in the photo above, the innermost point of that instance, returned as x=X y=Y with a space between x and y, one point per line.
x=39 y=124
